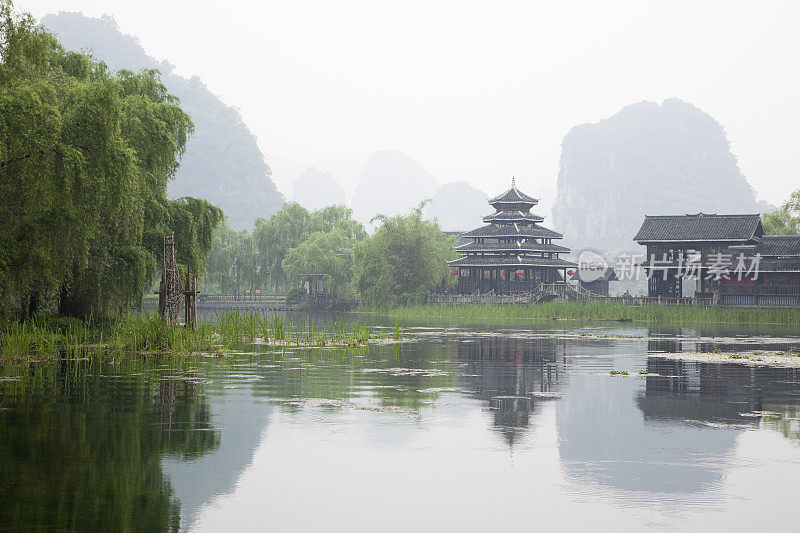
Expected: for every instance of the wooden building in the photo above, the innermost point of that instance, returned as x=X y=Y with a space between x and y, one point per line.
x=512 y=253
x=597 y=284
x=725 y=256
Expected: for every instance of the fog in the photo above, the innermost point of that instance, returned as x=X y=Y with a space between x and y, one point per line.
x=477 y=91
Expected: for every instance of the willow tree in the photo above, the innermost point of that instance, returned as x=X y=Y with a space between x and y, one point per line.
x=85 y=157
x=322 y=253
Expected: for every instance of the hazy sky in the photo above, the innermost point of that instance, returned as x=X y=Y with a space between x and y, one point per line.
x=478 y=90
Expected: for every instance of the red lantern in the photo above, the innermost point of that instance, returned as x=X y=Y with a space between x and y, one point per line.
x=570 y=272
x=454 y=272
x=519 y=272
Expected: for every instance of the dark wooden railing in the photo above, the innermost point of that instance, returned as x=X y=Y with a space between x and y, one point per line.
x=241 y=297
x=760 y=295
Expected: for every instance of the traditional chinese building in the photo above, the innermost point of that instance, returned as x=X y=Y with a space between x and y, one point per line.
x=727 y=256
x=596 y=282
x=513 y=252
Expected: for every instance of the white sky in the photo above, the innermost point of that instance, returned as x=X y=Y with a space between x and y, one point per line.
x=478 y=90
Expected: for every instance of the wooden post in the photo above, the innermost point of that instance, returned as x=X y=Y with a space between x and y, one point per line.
x=187 y=303
x=194 y=302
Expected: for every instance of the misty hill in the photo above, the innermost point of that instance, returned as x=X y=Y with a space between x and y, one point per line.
x=284 y=173
x=647 y=159
x=458 y=207
x=391 y=183
x=222 y=163
x=315 y=189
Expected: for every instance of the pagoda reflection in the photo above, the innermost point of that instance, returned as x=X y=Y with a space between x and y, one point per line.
x=513 y=375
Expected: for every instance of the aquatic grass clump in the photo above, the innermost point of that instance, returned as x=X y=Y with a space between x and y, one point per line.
x=47 y=337
x=237 y=329
x=58 y=338
x=150 y=333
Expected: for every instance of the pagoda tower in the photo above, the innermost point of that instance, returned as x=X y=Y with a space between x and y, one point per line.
x=512 y=253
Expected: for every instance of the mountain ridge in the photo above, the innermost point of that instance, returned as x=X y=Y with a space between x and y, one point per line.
x=222 y=163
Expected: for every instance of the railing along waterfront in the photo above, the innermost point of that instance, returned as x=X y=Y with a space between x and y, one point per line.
x=243 y=301
x=241 y=297
x=545 y=291
x=760 y=295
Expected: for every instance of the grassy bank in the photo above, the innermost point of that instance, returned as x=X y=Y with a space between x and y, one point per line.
x=47 y=337
x=600 y=311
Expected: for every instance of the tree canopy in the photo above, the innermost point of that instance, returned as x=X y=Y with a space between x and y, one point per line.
x=786 y=219
x=222 y=163
x=85 y=158
x=284 y=249
x=405 y=258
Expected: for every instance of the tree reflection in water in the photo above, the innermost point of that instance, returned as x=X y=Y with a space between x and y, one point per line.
x=82 y=446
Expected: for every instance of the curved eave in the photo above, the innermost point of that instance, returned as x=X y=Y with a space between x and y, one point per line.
x=511 y=262
x=510 y=247
x=514 y=195
x=494 y=231
x=516 y=204
x=507 y=217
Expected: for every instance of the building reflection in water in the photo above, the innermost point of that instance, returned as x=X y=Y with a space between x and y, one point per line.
x=705 y=393
x=515 y=376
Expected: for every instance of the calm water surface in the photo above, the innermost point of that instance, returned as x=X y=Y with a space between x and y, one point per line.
x=461 y=429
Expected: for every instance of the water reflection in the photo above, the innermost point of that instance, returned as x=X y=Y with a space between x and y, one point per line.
x=82 y=447
x=513 y=376
x=251 y=439
x=734 y=394
x=241 y=422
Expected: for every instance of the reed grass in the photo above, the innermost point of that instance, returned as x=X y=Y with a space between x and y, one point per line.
x=47 y=337
x=239 y=328
x=601 y=311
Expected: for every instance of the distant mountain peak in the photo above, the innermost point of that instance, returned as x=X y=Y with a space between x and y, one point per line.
x=391 y=183
x=648 y=158
x=223 y=163
x=315 y=189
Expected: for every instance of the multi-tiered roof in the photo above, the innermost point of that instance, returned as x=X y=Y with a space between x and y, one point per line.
x=512 y=238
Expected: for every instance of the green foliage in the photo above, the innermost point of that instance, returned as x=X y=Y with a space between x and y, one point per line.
x=193 y=222
x=107 y=437
x=284 y=249
x=223 y=163
x=786 y=219
x=405 y=258
x=322 y=254
x=85 y=159
x=231 y=262
x=276 y=235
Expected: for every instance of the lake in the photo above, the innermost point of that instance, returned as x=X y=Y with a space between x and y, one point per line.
x=467 y=428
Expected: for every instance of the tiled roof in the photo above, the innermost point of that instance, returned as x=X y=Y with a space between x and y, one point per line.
x=773 y=245
x=513 y=230
x=514 y=196
x=699 y=227
x=479 y=261
x=510 y=246
x=509 y=216
x=779 y=264
x=608 y=275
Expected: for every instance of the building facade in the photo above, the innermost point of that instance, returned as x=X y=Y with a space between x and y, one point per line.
x=725 y=256
x=513 y=252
